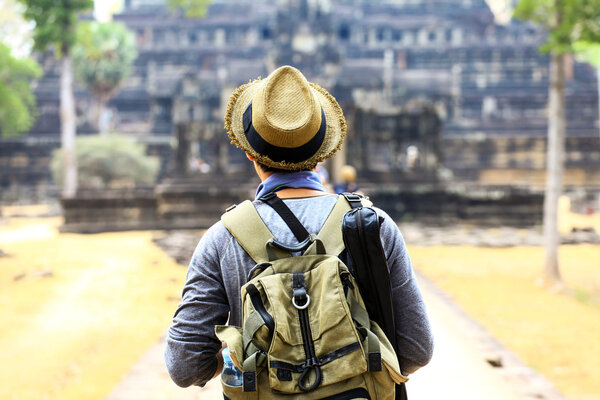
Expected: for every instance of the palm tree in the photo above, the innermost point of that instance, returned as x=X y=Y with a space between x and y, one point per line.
x=103 y=57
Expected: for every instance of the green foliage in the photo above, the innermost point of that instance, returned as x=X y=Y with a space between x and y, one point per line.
x=582 y=295
x=567 y=21
x=588 y=52
x=17 y=103
x=192 y=8
x=55 y=22
x=103 y=56
x=109 y=161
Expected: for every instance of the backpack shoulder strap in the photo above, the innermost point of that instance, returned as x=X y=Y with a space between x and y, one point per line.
x=287 y=215
x=357 y=200
x=331 y=232
x=246 y=226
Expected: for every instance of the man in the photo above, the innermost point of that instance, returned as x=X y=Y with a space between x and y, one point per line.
x=286 y=125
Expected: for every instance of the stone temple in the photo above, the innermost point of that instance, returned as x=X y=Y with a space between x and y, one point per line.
x=432 y=90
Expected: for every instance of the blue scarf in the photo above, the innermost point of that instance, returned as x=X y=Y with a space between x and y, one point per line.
x=295 y=180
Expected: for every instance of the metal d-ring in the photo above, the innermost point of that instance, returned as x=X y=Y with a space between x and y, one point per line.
x=303 y=306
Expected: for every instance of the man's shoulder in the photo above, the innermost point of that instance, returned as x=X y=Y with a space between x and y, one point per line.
x=216 y=235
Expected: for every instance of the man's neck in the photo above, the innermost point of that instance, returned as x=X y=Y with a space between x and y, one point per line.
x=290 y=193
x=287 y=193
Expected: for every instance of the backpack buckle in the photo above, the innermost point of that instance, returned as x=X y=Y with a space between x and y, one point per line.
x=354 y=199
x=267 y=196
x=249 y=381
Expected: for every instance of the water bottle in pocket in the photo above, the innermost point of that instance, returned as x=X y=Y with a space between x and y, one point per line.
x=231 y=375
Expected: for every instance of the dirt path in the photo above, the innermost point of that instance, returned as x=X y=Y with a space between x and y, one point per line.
x=468 y=363
x=149 y=380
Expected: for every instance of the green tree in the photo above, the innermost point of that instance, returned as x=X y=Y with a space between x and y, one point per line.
x=191 y=8
x=55 y=29
x=17 y=103
x=109 y=161
x=590 y=53
x=567 y=22
x=103 y=57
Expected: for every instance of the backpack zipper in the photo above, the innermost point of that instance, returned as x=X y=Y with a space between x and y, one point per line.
x=312 y=362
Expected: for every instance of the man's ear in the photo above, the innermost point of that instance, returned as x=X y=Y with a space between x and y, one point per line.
x=249 y=157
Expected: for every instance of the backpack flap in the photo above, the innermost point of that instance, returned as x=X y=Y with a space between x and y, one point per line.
x=315 y=342
x=232 y=336
x=311 y=245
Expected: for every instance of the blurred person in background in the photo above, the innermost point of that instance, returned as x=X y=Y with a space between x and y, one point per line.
x=348 y=181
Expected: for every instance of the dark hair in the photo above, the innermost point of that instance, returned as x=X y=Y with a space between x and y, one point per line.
x=266 y=168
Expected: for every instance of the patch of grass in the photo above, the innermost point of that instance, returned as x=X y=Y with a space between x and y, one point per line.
x=588 y=297
x=78 y=310
x=556 y=334
x=583 y=295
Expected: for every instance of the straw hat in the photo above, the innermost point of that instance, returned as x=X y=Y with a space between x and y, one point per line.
x=284 y=121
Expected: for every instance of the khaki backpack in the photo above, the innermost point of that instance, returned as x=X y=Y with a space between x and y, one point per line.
x=305 y=332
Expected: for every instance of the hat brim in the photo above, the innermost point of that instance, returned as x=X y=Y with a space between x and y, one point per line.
x=334 y=134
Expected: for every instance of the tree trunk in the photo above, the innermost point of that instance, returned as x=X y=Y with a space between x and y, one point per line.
x=67 y=126
x=103 y=117
x=598 y=87
x=554 y=170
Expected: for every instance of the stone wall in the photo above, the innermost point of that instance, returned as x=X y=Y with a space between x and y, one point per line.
x=521 y=161
x=194 y=204
x=441 y=206
x=96 y=211
x=178 y=204
x=183 y=205
x=25 y=170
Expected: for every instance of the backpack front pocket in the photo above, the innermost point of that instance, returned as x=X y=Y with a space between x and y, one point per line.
x=315 y=342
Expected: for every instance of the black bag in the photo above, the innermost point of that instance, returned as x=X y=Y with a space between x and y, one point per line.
x=360 y=230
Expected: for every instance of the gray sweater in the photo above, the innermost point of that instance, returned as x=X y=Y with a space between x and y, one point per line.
x=219 y=267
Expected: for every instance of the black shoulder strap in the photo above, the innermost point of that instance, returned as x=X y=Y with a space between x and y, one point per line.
x=353 y=199
x=287 y=215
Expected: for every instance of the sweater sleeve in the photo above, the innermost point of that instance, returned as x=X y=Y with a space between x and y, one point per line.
x=192 y=347
x=413 y=332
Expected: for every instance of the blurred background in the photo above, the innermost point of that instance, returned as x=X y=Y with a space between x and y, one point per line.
x=114 y=159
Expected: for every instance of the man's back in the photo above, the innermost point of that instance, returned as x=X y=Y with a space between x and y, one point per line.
x=220 y=267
